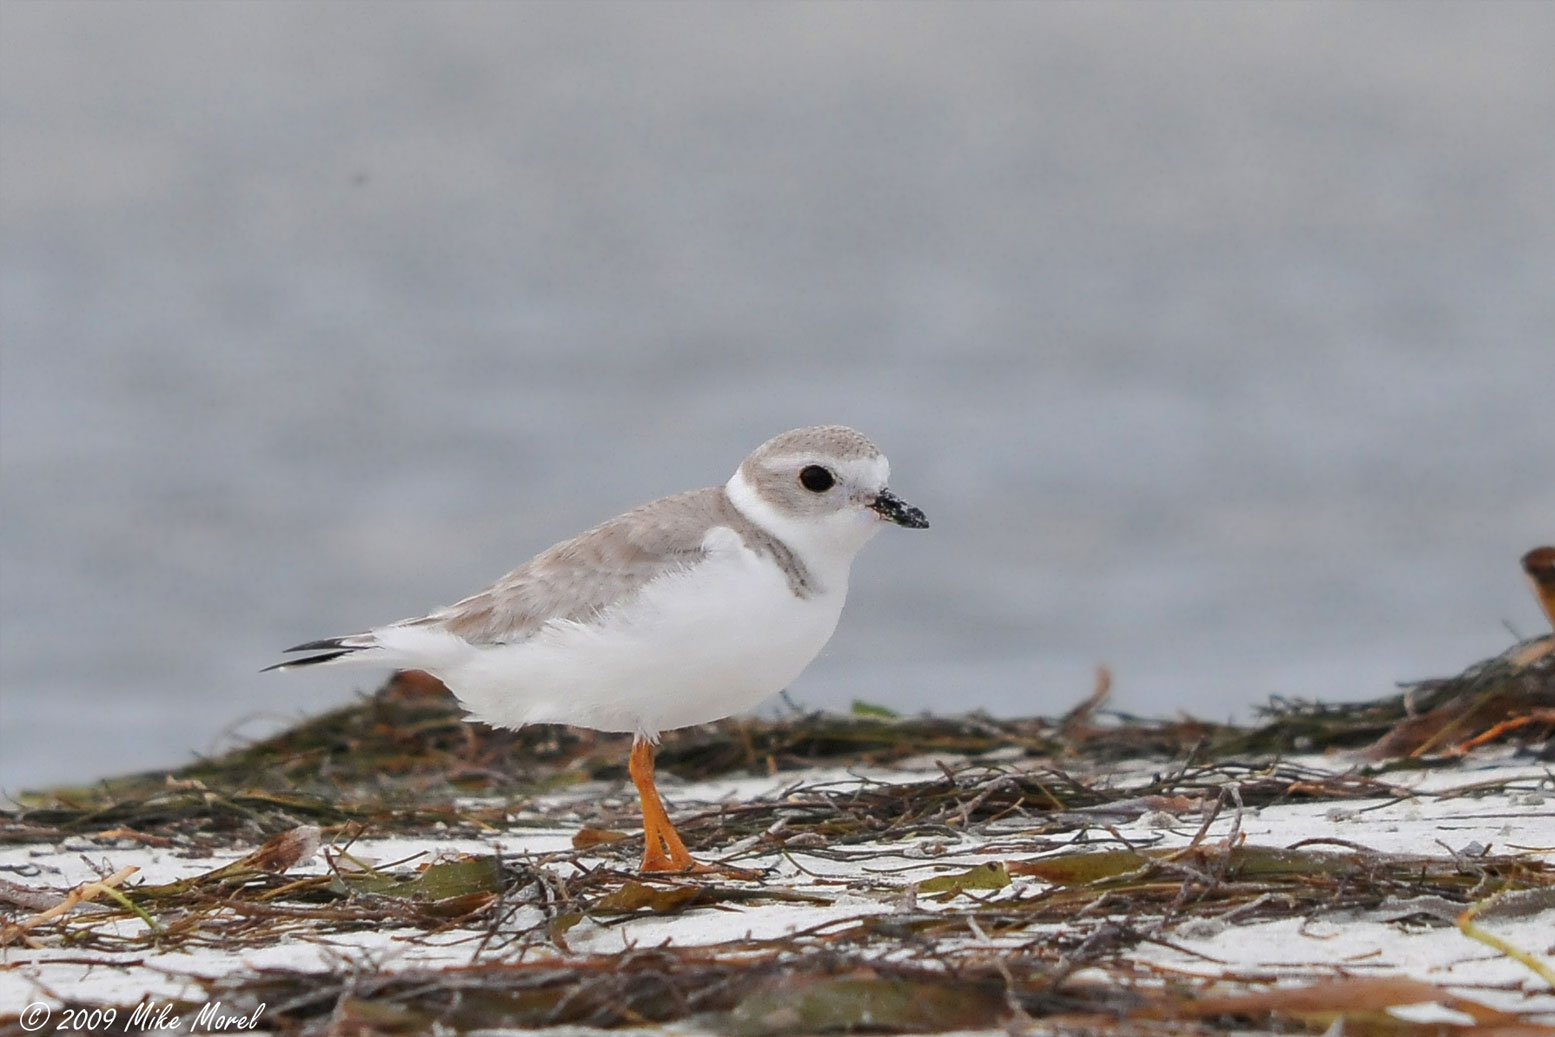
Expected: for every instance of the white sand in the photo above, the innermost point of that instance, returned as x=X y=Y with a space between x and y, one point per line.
x=1439 y=815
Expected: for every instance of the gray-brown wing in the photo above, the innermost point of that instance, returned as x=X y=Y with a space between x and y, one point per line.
x=580 y=578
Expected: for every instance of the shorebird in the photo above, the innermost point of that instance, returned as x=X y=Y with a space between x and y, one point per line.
x=679 y=612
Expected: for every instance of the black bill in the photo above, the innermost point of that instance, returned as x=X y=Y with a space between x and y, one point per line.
x=893 y=509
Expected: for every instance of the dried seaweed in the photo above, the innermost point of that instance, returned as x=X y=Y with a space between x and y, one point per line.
x=405 y=760
x=1053 y=898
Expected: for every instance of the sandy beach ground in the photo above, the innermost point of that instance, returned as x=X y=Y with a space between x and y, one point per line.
x=939 y=893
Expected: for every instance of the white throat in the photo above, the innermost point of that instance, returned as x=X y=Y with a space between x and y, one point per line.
x=825 y=544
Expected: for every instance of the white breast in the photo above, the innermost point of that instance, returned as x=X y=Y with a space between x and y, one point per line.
x=692 y=647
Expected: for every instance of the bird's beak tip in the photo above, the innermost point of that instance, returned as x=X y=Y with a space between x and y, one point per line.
x=893 y=509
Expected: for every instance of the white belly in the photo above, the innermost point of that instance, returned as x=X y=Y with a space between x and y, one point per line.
x=692 y=647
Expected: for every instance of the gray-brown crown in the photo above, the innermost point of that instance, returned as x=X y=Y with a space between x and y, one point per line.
x=836 y=441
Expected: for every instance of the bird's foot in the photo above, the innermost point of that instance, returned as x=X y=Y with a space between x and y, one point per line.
x=662 y=863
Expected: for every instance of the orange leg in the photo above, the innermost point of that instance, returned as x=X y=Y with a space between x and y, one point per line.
x=662 y=850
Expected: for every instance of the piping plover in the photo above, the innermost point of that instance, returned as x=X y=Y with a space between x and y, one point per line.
x=683 y=611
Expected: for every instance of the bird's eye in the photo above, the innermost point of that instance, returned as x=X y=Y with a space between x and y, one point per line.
x=816 y=479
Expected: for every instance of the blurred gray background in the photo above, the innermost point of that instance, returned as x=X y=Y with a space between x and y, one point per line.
x=1215 y=340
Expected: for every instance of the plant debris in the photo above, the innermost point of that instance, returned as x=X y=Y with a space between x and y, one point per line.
x=906 y=874
x=406 y=760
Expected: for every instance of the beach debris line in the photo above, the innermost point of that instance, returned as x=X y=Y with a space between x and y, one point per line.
x=915 y=874
x=974 y=896
x=404 y=760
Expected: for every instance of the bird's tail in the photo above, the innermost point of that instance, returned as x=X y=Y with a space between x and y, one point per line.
x=331 y=649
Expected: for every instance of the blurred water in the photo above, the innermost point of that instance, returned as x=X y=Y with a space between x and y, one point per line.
x=1214 y=340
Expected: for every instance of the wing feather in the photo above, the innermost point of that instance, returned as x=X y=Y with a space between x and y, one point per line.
x=576 y=580
x=582 y=577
